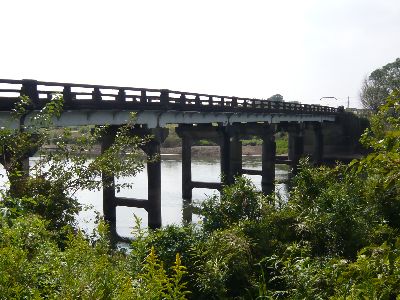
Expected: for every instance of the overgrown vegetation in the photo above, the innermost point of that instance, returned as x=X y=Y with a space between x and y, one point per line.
x=337 y=237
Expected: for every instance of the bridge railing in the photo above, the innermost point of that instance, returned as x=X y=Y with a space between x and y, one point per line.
x=86 y=96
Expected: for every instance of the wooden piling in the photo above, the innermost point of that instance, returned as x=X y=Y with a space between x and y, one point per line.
x=109 y=205
x=295 y=147
x=268 y=161
x=154 y=184
x=318 y=149
x=225 y=156
x=236 y=156
x=187 y=167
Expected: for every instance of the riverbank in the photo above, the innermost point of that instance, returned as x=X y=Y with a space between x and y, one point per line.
x=197 y=151
x=211 y=151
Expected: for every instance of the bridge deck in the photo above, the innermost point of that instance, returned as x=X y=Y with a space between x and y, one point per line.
x=85 y=96
x=98 y=104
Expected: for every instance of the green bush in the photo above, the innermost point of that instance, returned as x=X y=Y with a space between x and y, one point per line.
x=33 y=266
x=222 y=265
x=330 y=205
x=238 y=202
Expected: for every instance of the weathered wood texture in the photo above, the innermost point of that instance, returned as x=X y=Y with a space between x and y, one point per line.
x=86 y=96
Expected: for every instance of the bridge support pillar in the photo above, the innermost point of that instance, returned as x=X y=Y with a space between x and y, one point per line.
x=296 y=146
x=268 y=161
x=318 y=151
x=231 y=154
x=187 y=187
x=152 y=150
x=225 y=154
x=187 y=167
x=189 y=133
x=236 y=156
x=109 y=205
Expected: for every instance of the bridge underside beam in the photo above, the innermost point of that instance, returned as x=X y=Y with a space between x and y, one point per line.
x=153 y=119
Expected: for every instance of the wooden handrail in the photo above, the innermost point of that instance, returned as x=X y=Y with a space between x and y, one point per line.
x=161 y=99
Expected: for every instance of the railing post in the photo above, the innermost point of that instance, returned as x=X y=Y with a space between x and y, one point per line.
x=67 y=96
x=182 y=100
x=197 y=100
x=96 y=94
x=143 y=97
x=121 y=97
x=234 y=102
x=164 y=98
x=29 y=88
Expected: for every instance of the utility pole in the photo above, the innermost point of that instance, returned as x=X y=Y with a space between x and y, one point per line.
x=348 y=102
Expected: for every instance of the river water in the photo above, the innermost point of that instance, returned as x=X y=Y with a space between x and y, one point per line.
x=171 y=191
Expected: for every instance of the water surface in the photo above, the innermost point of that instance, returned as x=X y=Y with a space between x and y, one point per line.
x=171 y=182
x=171 y=191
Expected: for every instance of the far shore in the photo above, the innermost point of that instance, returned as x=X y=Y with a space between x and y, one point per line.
x=197 y=151
x=212 y=151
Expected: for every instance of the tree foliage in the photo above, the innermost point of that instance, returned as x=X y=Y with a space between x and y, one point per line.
x=276 y=97
x=379 y=85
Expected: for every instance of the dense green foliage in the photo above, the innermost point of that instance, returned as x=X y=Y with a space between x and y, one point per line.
x=336 y=237
x=276 y=97
x=379 y=84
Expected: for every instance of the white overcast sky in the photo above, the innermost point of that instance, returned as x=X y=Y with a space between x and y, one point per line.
x=303 y=50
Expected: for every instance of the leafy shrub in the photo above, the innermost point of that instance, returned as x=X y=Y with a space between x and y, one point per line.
x=222 y=265
x=330 y=208
x=238 y=202
x=33 y=266
x=167 y=241
x=374 y=275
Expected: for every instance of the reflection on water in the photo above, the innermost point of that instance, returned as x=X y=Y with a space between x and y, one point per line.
x=171 y=181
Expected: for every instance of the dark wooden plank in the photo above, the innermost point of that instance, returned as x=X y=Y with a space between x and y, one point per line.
x=131 y=202
x=207 y=185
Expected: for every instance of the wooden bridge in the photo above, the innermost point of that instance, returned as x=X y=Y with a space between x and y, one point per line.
x=224 y=119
